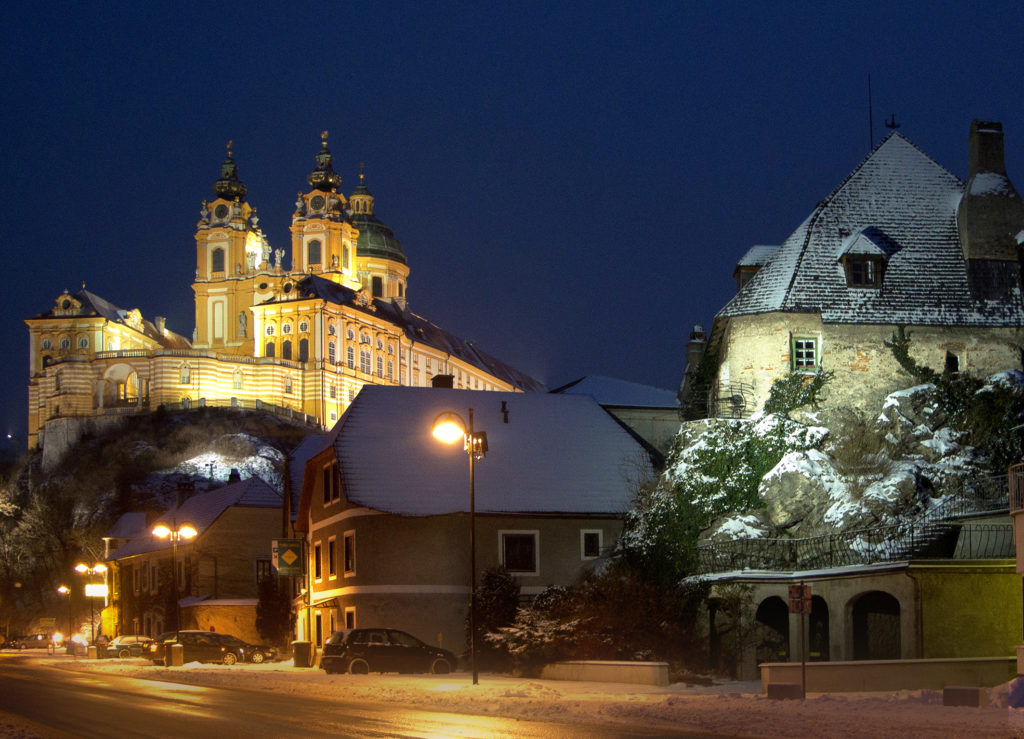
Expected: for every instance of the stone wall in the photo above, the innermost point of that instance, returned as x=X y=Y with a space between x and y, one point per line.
x=756 y=352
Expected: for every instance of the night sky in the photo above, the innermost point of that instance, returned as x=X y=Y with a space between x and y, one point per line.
x=572 y=184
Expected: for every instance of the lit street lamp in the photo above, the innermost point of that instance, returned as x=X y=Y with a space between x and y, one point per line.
x=185 y=531
x=93 y=590
x=449 y=428
x=66 y=592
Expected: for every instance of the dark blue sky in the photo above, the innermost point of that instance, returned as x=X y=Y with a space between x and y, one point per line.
x=572 y=183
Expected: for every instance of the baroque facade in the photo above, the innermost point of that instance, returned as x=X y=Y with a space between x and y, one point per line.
x=299 y=339
x=901 y=242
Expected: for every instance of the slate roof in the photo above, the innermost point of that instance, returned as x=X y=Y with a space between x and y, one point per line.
x=202 y=510
x=94 y=305
x=557 y=454
x=757 y=255
x=421 y=330
x=899 y=202
x=612 y=392
x=128 y=526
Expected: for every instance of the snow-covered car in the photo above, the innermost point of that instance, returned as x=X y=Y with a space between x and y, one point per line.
x=360 y=651
x=127 y=646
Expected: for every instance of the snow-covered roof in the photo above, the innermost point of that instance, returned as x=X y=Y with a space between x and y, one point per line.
x=899 y=203
x=757 y=255
x=128 y=526
x=611 y=392
x=202 y=510
x=557 y=454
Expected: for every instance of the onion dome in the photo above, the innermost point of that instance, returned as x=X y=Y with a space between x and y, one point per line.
x=375 y=238
x=229 y=186
x=324 y=178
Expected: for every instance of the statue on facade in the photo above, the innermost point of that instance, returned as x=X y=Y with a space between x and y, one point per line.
x=300 y=205
x=204 y=213
x=250 y=261
x=242 y=321
x=279 y=258
x=266 y=252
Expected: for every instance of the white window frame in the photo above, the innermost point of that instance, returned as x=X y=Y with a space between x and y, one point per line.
x=350 y=610
x=318 y=561
x=583 y=546
x=332 y=558
x=535 y=533
x=348 y=536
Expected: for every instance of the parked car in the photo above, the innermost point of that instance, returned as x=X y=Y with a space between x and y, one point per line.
x=34 y=641
x=127 y=646
x=209 y=646
x=360 y=651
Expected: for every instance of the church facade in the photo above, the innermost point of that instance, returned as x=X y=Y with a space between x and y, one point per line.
x=301 y=339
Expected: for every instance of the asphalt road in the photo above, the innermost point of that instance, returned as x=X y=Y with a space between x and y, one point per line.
x=44 y=701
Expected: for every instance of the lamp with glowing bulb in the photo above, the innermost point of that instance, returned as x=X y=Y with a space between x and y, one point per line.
x=175 y=534
x=449 y=428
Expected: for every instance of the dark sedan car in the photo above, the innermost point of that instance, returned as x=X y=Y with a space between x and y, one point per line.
x=209 y=646
x=127 y=646
x=360 y=651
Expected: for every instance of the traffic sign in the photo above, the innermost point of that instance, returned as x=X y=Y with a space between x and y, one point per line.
x=286 y=556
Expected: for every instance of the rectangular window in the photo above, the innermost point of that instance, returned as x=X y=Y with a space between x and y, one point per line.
x=350 y=617
x=318 y=572
x=319 y=626
x=328 y=483
x=590 y=543
x=518 y=552
x=805 y=354
x=350 y=553
x=263 y=570
x=135 y=579
x=332 y=557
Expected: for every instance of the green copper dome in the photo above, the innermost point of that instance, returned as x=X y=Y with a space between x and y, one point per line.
x=375 y=238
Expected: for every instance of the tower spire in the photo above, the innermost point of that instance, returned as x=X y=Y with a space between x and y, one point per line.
x=323 y=177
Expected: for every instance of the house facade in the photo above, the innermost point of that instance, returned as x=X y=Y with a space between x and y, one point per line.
x=901 y=242
x=300 y=339
x=384 y=506
x=218 y=570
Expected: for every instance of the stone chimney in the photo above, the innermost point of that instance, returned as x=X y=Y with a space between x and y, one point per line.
x=991 y=212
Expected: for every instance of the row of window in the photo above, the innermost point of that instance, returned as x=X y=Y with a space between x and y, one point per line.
x=518 y=551
x=65 y=343
x=348 y=552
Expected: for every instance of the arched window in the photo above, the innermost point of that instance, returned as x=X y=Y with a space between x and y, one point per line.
x=391 y=370
x=83 y=342
x=377 y=286
x=286 y=349
x=350 y=334
x=186 y=374
x=236 y=380
x=380 y=344
x=270 y=349
x=217 y=260
x=380 y=366
x=65 y=343
x=330 y=328
x=270 y=329
x=303 y=327
x=286 y=328
x=331 y=356
x=47 y=344
x=351 y=356
x=314 y=252
x=303 y=350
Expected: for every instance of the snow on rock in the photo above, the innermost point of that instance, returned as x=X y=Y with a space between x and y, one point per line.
x=801 y=488
x=743 y=526
x=917 y=404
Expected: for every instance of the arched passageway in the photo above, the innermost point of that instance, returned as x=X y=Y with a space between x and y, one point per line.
x=772 y=618
x=875 y=619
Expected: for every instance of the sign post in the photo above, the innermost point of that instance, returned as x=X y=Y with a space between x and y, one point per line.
x=286 y=557
x=800 y=602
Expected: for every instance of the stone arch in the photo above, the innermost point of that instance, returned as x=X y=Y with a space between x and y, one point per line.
x=772 y=618
x=875 y=624
x=121 y=386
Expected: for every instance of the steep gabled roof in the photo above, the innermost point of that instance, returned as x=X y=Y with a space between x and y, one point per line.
x=202 y=510
x=903 y=204
x=419 y=329
x=557 y=454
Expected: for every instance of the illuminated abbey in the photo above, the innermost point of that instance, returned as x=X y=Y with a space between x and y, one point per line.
x=300 y=339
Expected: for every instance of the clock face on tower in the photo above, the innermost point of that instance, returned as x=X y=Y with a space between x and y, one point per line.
x=221 y=211
x=317 y=203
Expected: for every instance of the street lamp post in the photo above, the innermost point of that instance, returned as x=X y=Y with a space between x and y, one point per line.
x=66 y=592
x=185 y=531
x=449 y=428
x=91 y=591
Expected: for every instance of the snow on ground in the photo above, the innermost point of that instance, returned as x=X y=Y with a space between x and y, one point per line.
x=727 y=709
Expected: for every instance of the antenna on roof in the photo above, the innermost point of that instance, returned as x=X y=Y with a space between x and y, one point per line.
x=871 y=123
x=891 y=123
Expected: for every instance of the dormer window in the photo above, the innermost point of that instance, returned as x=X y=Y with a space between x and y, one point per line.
x=863 y=271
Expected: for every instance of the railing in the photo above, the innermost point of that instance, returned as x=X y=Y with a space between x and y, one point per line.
x=978 y=496
x=894 y=543
x=1016 y=488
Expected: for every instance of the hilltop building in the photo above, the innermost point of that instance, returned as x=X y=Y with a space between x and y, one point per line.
x=901 y=242
x=301 y=339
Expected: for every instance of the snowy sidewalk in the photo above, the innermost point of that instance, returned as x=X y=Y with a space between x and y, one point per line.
x=729 y=709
